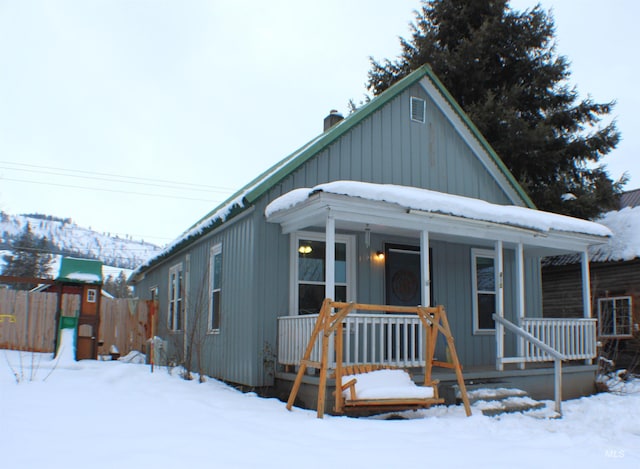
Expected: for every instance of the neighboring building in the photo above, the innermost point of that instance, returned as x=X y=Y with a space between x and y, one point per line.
x=426 y=213
x=615 y=284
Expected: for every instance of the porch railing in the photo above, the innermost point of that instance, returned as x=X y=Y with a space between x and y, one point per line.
x=573 y=338
x=533 y=341
x=391 y=339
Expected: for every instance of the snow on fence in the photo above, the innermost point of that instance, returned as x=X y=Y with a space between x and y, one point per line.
x=28 y=321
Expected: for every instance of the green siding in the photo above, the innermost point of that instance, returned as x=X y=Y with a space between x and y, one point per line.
x=380 y=146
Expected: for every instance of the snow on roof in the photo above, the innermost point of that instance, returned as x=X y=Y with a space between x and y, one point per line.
x=624 y=245
x=447 y=204
x=83 y=277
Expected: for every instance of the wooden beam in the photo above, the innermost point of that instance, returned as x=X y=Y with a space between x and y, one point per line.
x=307 y=354
x=456 y=362
x=384 y=308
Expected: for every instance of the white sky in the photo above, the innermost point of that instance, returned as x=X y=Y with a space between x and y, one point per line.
x=212 y=93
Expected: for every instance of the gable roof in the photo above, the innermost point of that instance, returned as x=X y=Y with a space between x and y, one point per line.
x=255 y=189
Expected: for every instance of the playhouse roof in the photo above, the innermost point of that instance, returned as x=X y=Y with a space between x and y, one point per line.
x=76 y=270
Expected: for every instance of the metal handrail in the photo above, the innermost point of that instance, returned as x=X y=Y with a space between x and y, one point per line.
x=557 y=356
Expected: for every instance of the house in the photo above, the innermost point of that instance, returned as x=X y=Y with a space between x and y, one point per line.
x=402 y=202
x=615 y=284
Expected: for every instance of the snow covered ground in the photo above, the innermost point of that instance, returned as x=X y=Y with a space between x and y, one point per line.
x=113 y=414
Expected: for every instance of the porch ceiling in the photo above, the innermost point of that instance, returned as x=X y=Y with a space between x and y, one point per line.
x=355 y=214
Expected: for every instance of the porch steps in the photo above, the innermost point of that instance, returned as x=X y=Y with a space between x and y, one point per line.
x=496 y=401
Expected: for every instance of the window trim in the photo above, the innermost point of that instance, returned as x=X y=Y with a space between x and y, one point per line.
x=414 y=103
x=216 y=250
x=154 y=292
x=350 y=243
x=475 y=254
x=613 y=299
x=171 y=316
x=92 y=295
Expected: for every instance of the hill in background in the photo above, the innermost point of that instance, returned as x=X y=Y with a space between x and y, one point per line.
x=67 y=238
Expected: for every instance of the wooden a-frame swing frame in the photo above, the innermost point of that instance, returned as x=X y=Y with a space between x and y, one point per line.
x=329 y=322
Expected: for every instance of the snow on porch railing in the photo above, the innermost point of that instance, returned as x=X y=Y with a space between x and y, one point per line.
x=390 y=339
x=574 y=338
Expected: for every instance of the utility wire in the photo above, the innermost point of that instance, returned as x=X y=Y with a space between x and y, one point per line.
x=162 y=185
x=70 y=186
x=120 y=176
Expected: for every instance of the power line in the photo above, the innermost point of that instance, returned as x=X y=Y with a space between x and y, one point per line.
x=120 y=176
x=70 y=186
x=163 y=185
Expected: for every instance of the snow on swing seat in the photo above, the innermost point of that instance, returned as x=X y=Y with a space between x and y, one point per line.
x=385 y=384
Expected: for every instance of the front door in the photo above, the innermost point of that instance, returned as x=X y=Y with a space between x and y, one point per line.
x=402 y=275
x=402 y=285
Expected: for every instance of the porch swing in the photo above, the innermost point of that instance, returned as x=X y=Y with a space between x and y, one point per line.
x=369 y=387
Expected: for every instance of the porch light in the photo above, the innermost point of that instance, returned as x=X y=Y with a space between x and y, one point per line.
x=304 y=249
x=379 y=255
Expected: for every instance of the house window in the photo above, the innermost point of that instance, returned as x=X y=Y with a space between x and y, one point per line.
x=309 y=271
x=153 y=292
x=91 y=295
x=215 y=288
x=614 y=316
x=176 y=300
x=484 y=290
x=418 y=109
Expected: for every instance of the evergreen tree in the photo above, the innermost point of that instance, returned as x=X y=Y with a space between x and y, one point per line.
x=29 y=258
x=500 y=65
x=117 y=286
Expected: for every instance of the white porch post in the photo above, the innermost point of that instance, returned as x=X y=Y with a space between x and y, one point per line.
x=424 y=267
x=586 y=285
x=586 y=289
x=330 y=258
x=520 y=296
x=499 y=275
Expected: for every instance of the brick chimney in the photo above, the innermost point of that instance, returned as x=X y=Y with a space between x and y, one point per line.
x=332 y=119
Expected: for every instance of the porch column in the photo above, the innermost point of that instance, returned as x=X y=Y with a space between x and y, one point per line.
x=330 y=258
x=586 y=289
x=424 y=268
x=499 y=275
x=520 y=296
x=586 y=284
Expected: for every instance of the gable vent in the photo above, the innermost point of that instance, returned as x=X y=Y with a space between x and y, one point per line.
x=418 y=109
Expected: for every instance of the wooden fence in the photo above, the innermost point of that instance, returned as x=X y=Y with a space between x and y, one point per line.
x=125 y=324
x=27 y=321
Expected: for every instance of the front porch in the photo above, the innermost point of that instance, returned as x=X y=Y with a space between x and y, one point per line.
x=398 y=341
x=480 y=260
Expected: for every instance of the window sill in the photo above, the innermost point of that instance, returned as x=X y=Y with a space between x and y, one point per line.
x=485 y=332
